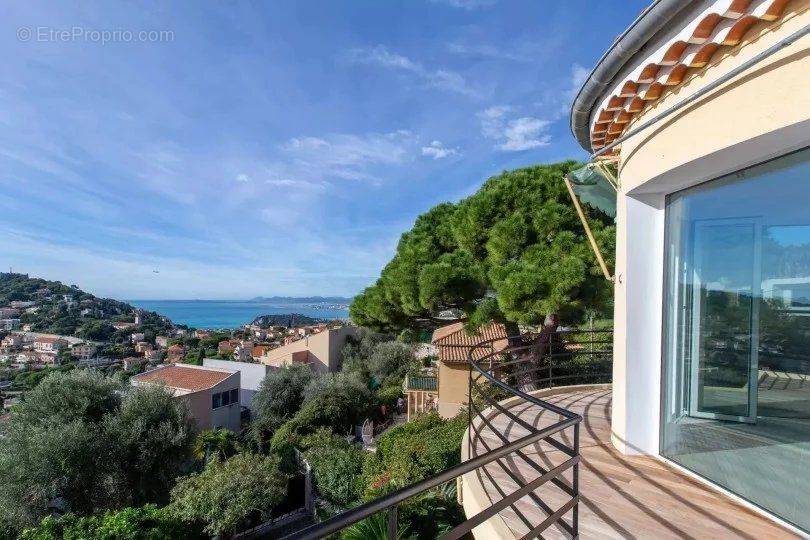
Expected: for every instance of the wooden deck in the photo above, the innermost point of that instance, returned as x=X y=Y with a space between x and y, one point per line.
x=622 y=496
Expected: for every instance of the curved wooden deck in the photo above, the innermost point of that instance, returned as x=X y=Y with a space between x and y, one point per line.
x=622 y=496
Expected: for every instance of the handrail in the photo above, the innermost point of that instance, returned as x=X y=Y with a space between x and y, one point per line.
x=526 y=488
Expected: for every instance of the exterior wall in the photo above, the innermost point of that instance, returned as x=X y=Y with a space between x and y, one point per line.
x=251 y=376
x=324 y=349
x=761 y=114
x=229 y=416
x=454 y=380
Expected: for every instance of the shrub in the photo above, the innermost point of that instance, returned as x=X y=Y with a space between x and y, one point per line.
x=280 y=396
x=232 y=494
x=412 y=452
x=336 y=467
x=144 y=523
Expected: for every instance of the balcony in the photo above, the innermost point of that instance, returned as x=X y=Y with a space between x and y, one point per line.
x=538 y=461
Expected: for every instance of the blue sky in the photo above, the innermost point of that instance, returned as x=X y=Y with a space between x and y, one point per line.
x=260 y=148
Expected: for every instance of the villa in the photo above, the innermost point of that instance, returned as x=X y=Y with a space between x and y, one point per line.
x=691 y=418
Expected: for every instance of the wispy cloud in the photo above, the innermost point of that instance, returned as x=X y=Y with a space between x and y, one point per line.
x=342 y=156
x=242 y=177
x=466 y=4
x=513 y=134
x=437 y=150
x=442 y=79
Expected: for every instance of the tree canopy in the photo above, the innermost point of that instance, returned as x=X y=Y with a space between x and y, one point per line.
x=515 y=251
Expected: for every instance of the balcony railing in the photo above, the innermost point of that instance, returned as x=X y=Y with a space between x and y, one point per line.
x=499 y=375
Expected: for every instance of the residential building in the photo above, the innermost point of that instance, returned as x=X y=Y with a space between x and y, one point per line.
x=243 y=351
x=175 y=353
x=49 y=344
x=9 y=324
x=201 y=334
x=21 y=304
x=120 y=325
x=260 y=350
x=212 y=394
x=143 y=347
x=321 y=351
x=133 y=362
x=11 y=342
x=251 y=376
x=153 y=355
x=227 y=346
x=453 y=347
x=135 y=337
x=162 y=341
x=9 y=313
x=83 y=350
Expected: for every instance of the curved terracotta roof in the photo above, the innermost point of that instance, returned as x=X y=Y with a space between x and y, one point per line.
x=454 y=343
x=722 y=24
x=188 y=378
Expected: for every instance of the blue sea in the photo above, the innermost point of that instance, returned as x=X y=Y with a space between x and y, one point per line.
x=232 y=313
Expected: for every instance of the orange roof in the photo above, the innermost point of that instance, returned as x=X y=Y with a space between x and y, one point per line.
x=454 y=343
x=672 y=63
x=48 y=339
x=182 y=377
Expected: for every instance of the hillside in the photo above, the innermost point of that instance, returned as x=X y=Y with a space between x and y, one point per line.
x=62 y=309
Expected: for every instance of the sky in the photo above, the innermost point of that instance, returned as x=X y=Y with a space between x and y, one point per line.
x=226 y=150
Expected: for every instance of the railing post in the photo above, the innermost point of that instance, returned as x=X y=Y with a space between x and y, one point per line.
x=392 y=523
x=575 y=482
x=469 y=410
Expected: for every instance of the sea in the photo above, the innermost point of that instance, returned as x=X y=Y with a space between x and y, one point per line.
x=234 y=313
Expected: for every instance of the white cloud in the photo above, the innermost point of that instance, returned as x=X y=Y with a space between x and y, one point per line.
x=466 y=4
x=242 y=178
x=577 y=79
x=442 y=79
x=513 y=134
x=437 y=150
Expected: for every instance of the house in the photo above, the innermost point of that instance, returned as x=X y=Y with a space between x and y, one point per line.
x=143 y=347
x=712 y=221
x=175 y=353
x=136 y=337
x=227 y=346
x=453 y=346
x=49 y=344
x=9 y=324
x=321 y=351
x=251 y=376
x=9 y=313
x=201 y=334
x=260 y=350
x=11 y=342
x=121 y=325
x=133 y=362
x=162 y=341
x=21 y=304
x=153 y=355
x=83 y=350
x=243 y=351
x=212 y=394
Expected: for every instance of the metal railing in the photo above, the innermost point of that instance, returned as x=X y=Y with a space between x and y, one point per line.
x=526 y=364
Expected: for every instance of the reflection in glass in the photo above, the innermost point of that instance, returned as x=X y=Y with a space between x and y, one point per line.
x=736 y=403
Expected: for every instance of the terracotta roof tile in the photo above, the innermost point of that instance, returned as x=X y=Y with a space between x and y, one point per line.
x=187 y=378
x=454 y=343
x=690 y=49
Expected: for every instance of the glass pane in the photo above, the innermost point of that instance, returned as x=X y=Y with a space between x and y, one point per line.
x=724 y=255
x=736 y=373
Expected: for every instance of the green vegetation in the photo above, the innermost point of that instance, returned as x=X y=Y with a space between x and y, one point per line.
x=216 y=444
x=227 y=496
x=280 y=395
x=90 y=443
x=336 y=467
x=143 y=523
x=515 y=252
x=288 y=320
x=56 y=316
x=412 y=452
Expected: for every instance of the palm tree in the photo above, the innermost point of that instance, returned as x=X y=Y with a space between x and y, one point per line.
x=219 y=443
x=372 y=528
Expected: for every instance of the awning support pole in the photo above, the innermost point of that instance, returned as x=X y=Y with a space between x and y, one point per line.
x=588 y=232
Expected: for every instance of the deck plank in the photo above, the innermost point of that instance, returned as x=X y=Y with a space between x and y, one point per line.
x=623 y=496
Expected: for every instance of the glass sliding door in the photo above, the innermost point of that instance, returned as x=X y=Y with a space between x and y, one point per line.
x=736 y=374
x=725 y=283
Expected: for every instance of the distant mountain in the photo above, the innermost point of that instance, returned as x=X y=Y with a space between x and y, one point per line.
x=290 y=320
x=303 y=299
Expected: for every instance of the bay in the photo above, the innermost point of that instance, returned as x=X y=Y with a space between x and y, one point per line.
x=233 y=313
